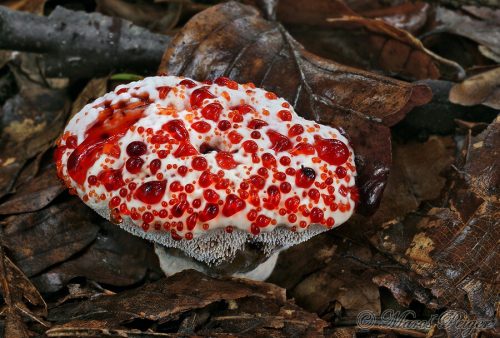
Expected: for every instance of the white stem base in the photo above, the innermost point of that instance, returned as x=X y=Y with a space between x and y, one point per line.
x=171 y=264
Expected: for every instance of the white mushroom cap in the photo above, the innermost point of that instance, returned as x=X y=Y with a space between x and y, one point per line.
x=207 y=167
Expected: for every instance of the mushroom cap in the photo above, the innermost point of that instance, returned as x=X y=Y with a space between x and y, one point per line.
x=207 y=167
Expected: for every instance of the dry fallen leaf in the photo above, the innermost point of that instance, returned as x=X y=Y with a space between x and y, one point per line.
x=234 y=40
x=454 y=247
x=479 y=89
x=191 y=303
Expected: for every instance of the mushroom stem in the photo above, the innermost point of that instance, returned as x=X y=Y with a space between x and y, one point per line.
x=172 y=264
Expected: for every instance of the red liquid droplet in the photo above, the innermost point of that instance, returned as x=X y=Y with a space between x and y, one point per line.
x=212 y=111
x=134 y=165
x=224 y=125
x=177 y=129
x=257 y=124
x=225 y=160
x=273 y=198
x=269 y=161
x=295 y=130
x=154 y=166
x=303 y=148
x=341 y=172
x=279 y=142
x=285 y=115
x=71 y=142
x=210 y=211
x=185 y=149
x=243 y=109
x=316 y=215
x=233 y=205
x=305 y=177
x=111 y=179
x=199 y=163
x=182 y=170
x=191 y=221
x=198 y=96
x=187 y=83
x=235 y=137
x=262 y=221
x=151 y=192
x=179 y=209
x=136 y=148
x=258 y=182
x=292 y=203
x=332 y=151
x=285 y=187
x=250 y=146
x=224 y=81
x=201 y=127
x=210 y=195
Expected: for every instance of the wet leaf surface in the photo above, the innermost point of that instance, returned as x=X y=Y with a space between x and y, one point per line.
x=235 y=41
x=479 y=89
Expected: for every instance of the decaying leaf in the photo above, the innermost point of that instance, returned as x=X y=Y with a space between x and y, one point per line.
x=191 y=303
x=41 y=239
x=410 y=16
x=115 y=258
x=394 y=50
x=234 y=40
x=328 y=270
x=484 y=32
x=18 y=292
x=31 y=121
x=454 y=247
x=35 y=194
x=479 y=89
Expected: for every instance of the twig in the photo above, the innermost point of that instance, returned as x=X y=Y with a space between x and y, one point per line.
x=75 y=43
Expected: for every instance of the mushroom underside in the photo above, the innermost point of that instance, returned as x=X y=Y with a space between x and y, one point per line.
x=221 y=252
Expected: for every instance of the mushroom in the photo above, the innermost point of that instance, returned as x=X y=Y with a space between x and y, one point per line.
x=220 y=176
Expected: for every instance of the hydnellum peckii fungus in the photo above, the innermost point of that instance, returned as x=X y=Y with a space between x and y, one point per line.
x=221 y=176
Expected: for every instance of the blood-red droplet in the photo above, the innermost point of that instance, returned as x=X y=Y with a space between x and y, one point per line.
x=295 y=130
x=268 y=160
x=292 y=203
x=151 y=192
x=257 y=124
x=224 y=125
x=250 y=146
x=243 y=109
x=233 y=205
x=199 y=163
x=201 y=127
x=211 y=195
x=177 y=129
x=225 y=160
x=111 y=179
x=341 y=172
x=199 y=95
x=212 y=111
x=154 y=166
x=191 y=221
x=273 y=198
x=279 y=142
x=316 y=215
x=262 y=221
x=285 y=187
x=182 y=170
x=185 y=149
x=257 y=181
x=187 y=83
x=134 y=164
x=71 y=142
x=234 y=137
x=303 y=148
x=285 y=115
x=136 y=148
x=305 y=177
x=224 y=81
x=210 y=211
x=332 y=151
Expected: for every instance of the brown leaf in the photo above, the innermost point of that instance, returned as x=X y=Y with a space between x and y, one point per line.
x=41 y=239
x=17 y=292
x=479 y=89
x=31 y=121
x=456 y=23
x=453 y=248
x=115 y=258
x=234 y=40
x=409 y=16
x=327 y=270
x=192 y=303
x=35 y=194
x=157 y=17
x=394 y=50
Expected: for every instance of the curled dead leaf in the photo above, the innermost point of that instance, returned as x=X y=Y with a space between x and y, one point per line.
x=479 y=89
